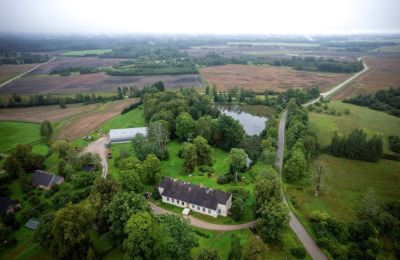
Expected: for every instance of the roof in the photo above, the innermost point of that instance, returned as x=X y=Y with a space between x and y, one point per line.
x=126 y=134
x=194 y=194
x=45 y=178
x=32 y=224
x=6 y=203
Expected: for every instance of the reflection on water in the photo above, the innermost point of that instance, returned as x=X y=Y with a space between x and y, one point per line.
x=253 y=125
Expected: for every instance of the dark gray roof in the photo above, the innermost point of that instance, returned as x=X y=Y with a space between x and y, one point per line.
x=45 y=178
x=32 y=224
x=194 y=194
x=5 y=203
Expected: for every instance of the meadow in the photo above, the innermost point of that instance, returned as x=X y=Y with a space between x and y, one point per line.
x=14 y=133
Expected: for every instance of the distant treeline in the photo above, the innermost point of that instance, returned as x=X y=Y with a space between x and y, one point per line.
x=319 y=64
x=354 y=46
x=162 y=53
x=383 y=100
x=214 y=59
x=357 y=146
x=68 y=71
x=12 y=57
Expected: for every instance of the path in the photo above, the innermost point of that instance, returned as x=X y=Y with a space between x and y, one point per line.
x=26 y=72
x=305 y=238
x=203 y=224
x=99 y=147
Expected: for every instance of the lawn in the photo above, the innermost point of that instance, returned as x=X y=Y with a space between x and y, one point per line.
x=372 y=121
x=14 y=133
x=133 y=118
x=86 y=52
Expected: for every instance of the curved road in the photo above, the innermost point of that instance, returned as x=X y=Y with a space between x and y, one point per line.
x=310 y=245
x=99 y=147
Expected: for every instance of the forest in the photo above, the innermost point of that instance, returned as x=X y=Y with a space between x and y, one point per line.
x=14 y=57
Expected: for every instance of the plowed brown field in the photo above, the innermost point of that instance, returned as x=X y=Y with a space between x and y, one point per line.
x=261 y=78
x=9 y=71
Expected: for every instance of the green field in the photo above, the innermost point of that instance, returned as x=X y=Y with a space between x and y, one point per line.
x=14 y=133
x=86 y=52
x=277 y=44
x=372 y=121
x=133 y=118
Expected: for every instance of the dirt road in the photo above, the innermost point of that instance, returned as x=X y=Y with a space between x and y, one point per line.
x=99 y=147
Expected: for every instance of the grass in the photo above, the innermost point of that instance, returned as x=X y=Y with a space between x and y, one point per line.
x=372 y=121
x=133 y=118
x=14 y=133
x=344 y=185
x=86 y=52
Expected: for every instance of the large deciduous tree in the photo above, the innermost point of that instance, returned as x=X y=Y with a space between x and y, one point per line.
x=273 y=220
x=256 y=250
x=46 y=130
x=208 y=254
x=185 y=126
x=238 y=159
x=130 y=181
x=229 y=133
x=203 y=151
x=296 y=167
x=190 y=157
x=236 y=249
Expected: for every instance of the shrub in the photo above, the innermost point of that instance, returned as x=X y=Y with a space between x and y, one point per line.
x=298 y=252
x=206 y=168
x=222 y=180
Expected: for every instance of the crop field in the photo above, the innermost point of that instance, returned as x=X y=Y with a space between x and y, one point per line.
x=372 y=121
x=261 y=78
x=68 y=62
x=86 y=52
x=383 y=74
x=9 y=71
x=14 y=133
x=95 y=82
x=277 y=44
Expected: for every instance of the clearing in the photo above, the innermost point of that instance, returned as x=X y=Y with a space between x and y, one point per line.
x=372 y=121
x=8 y=71
x=261 y=78
x=14 y=133
x=383 y=74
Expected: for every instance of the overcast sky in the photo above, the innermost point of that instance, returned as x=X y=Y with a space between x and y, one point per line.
x=200 y=16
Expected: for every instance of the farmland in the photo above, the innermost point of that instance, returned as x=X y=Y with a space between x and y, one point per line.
x=96 y=82
x=17 y=133
x=9 y=71
x=383 y=74
x=277 y=44
x=261 y=78
x=86 y=52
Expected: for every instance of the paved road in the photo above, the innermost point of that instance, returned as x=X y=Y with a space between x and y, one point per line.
x=99 y=147
x=310 y=245
x=203 y=224
x=26 y=72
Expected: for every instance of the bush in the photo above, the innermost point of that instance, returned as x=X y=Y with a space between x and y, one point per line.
x=206 y=168
x=298 y=252
x=222 y=180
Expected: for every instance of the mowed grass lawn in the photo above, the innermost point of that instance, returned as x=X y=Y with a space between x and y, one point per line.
x=13 y=133
x=345 y=183
x=133 y=118
x=86 y=52
x=371 y=121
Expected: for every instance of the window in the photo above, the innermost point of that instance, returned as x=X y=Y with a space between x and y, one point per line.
x=219 y=211
x=192 y=206
x=173 y=200
x=209 y=211
x=177 y=201
x=204 y=209
x=198 y=208
x=183 y=203
x=167 y=199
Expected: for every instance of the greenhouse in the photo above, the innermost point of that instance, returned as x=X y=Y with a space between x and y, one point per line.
x=126 y=135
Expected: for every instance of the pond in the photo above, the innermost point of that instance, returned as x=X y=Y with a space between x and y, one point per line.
x=253 y=125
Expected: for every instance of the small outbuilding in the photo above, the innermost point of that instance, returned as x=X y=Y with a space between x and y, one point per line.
x=125 y=135
x=8 y=206
x=32 y=224
x=45 y=180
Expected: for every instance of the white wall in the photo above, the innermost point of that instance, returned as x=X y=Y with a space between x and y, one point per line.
x=193 y=207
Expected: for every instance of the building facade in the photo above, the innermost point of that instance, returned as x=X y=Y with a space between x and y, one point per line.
x=195 y=197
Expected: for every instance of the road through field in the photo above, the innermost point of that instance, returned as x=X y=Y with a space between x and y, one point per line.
x=26 y=72
x=305 y=238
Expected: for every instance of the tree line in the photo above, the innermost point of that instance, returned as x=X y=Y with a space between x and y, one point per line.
x=14 y=57
x=383 y=100
x=69 y=70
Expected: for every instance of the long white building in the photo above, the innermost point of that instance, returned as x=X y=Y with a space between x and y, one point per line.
x=125 y=135
x=197 y=198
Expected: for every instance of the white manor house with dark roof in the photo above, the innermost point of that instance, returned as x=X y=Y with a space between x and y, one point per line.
x=195 y=197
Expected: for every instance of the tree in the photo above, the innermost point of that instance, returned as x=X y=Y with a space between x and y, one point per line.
x=152 y=167
x=356 y=144
x=374 y=149
x=268 y=155
x=296 y=167
x=181 y=237
x=237 y=209
x=159 y=85
x=70 y=232
x=29 y=161
x=43 y=234
x=141 y=236
x=46 y=130
x=229 y=133
x=203 y=151
x=62 y=148
x=159 y=134
x=204 y=127
x=208 y=254
x=120 y=95
x=121 y=208
x=238 y=160
x=292 y=106
x=319 y=178
x=266 y=188
x=236 y=249
x=13 y=167
x=256 y=250
x=273 y=220
x=185 y=126
x=190 y=157
x=208 y=90
x=130 y=181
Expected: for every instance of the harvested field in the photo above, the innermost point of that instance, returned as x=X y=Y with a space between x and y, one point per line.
x=68 y=62
x=9 y=71
x=383 y=74
x=84 y=123
x=96 y=82
x=261 y=78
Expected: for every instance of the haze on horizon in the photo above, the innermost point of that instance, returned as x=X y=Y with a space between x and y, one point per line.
x=200 y=17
